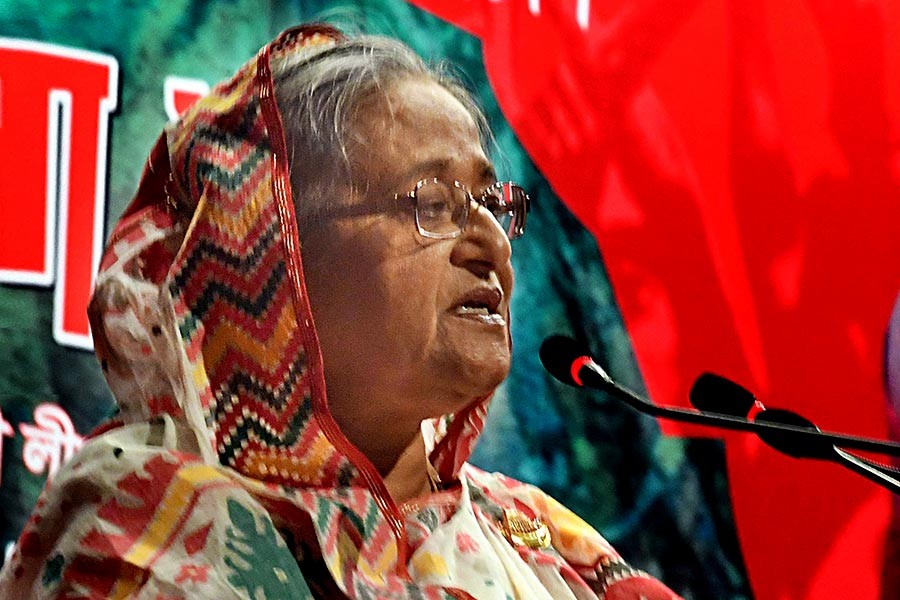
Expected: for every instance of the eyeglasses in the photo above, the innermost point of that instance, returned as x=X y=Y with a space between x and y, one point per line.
x=442 y=208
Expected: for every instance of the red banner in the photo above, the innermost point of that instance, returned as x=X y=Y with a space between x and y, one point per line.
x=738 y=164
x=55 y=104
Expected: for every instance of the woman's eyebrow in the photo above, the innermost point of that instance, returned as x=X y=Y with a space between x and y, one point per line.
x=437 y=167
x=428 y=168
x=488 y=173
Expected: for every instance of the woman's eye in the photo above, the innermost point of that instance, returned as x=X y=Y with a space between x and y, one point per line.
x=434 y=207
x=494 y=202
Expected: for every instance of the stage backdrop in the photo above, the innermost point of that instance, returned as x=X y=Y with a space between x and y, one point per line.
x=736 y=163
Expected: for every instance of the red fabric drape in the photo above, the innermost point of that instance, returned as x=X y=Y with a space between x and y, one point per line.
x=738 y=164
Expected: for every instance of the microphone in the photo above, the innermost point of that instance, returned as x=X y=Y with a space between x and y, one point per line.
x=569 y=362
x=714 y=393
x=711 y=390
x=718 y=394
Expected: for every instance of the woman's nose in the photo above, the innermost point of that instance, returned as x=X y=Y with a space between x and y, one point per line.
x=483 y=246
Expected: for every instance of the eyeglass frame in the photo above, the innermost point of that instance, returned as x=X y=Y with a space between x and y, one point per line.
x=517 y=216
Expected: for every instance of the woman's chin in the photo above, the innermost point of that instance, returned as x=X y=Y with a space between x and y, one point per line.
x=480 y=378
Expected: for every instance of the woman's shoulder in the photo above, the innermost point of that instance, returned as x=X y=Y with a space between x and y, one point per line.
x=542 y=528
x=126 y=514
x=573 y=537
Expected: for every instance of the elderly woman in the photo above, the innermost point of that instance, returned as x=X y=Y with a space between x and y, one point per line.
x=302 y=315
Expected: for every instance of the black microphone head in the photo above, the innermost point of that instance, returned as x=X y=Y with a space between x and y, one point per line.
x=558 y=352
x=791 y=444
x=714 y=393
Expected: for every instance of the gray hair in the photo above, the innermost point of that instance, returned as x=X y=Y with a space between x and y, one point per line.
x=318 y=96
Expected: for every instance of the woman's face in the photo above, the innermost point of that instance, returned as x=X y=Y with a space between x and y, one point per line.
x=389 y=304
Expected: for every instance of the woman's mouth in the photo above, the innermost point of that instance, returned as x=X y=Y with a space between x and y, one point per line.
x=480 y=313
x=482 y=304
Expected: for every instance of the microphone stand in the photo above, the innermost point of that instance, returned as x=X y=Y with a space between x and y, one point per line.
x=593 y=376
x=869 y=469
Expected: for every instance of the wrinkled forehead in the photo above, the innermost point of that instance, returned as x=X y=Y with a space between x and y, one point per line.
x=411 y=129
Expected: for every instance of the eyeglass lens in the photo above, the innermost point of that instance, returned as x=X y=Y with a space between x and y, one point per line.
x=509 y=204
x=442 y=208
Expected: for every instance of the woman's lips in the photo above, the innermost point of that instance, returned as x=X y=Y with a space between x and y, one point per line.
x=481 y=304
x=482 y=297
x=481 y=314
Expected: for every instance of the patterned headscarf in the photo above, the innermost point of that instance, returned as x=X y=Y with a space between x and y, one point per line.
x=201 y=313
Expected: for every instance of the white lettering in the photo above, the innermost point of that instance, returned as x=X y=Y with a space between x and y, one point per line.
x=50 y=442
x=582 y=13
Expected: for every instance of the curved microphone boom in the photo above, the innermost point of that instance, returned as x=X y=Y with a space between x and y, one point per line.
x=568 y=361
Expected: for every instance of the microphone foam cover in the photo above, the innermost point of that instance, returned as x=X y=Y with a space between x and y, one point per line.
x=558 y=352
x=791 y=444
x=714 y=393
